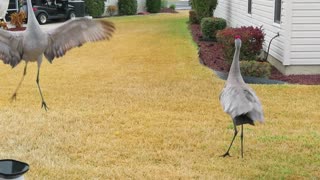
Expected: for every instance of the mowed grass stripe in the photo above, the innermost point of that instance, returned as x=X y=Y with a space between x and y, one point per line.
x=141 y=106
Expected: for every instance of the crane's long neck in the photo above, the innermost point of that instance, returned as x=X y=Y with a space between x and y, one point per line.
x=235 y=73
x=32 y=21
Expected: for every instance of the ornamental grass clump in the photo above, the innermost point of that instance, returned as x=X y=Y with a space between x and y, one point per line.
x=17 y=19
x=112 y=9
x=172 y=6
x=252 y=40
x=3 y=25
x=255 y=69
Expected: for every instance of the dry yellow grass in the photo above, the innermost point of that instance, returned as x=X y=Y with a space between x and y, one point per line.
x=141 y=107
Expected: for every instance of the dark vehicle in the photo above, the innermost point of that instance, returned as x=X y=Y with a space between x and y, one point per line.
x=52 y=9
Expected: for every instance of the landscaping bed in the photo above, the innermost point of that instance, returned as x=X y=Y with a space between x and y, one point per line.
x=211 y=55
x=168 y=10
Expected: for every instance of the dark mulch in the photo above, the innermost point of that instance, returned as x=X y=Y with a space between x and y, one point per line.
x=163 y=10
x=168 y=10
x=17 y=29
x=143 y=13
x=211 y=55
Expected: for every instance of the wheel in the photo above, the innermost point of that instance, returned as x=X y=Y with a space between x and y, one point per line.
x=72 y=15
x=42 y=18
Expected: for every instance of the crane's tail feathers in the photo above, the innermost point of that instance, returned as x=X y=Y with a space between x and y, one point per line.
x=243 y=119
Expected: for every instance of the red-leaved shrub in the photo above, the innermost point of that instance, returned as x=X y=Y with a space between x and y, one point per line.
x=252 y=39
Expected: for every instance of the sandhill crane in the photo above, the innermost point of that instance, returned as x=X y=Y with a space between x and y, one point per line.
x=238 y=99
x=33 y=43
x=3 y=9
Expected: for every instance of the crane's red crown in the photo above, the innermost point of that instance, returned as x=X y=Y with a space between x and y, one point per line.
x=237 y=37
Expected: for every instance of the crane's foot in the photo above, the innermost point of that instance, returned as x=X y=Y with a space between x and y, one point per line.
x=44 y=105
x=225 y=154
x=13 y=97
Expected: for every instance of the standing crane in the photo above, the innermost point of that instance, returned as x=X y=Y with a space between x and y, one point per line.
x=33 y=43
x=239 y=100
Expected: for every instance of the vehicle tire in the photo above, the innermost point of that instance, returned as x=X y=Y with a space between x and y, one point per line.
x=72 y=15
x=42 y=18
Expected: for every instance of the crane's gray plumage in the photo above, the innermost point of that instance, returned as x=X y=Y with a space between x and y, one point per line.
x=33 y=43
x=238 y=99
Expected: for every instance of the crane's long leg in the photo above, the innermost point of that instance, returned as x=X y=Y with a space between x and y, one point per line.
x=44 y=105
x=241 y=140
x=14 y=95
x=234 y=136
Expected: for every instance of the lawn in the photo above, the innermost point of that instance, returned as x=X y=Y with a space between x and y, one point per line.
x=141 y=106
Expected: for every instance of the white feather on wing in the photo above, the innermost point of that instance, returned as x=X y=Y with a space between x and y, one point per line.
x=74 y=33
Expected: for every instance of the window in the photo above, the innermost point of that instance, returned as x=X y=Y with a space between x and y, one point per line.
x=277 y=11
x=249 y=6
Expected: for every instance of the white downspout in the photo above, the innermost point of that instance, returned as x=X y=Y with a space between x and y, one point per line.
x=287 y=32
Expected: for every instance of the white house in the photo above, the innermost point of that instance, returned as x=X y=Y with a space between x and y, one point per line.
x=141 y=5
x=297 y=49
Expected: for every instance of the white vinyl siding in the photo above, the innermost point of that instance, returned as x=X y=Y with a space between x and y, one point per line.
x=299 y=27
x=140 y=8
x=235 y=12
x=305 y=32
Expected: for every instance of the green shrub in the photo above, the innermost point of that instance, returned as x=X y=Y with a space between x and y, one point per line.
x=204 y=8
x=220 y=24
x=193 y=19
x=94 y=8
x=252 y=39
x=210 y=26
x=153 y=6
x=127 y=7
x=255 y=69
x=172 y=6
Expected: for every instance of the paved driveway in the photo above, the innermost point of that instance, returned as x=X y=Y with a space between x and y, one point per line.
x=51 y=25
x=182 y=4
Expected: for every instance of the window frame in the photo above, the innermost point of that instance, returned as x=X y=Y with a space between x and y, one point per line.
x=249 y=10
x=277 y=11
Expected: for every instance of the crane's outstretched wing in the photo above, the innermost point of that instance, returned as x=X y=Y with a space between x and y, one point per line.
x=238 y=101
x=74 y=33
x=10 y=47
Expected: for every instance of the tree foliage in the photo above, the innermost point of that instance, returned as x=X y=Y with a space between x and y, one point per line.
x=204 y=8
x=94 y=8
x=153 y=6
x=127 y=7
